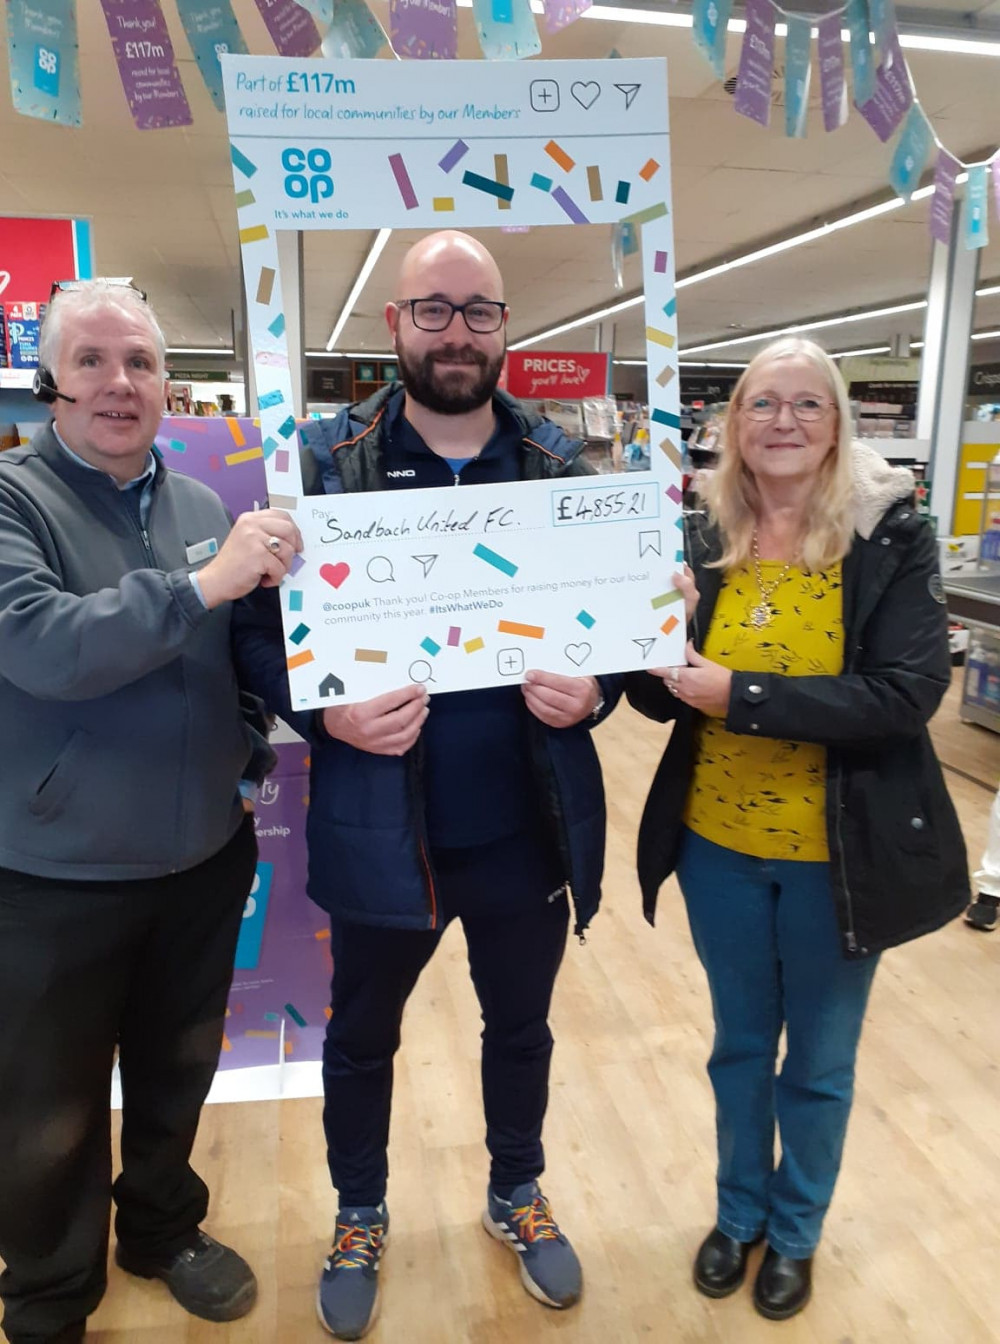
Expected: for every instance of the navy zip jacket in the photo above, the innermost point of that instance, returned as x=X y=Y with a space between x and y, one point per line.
x=370 y=851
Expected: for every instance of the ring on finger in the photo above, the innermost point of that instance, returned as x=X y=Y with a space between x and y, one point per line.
x=273 y=544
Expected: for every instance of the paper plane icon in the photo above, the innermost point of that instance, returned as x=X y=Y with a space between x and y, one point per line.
x=646 y=645
x=427 y=561
x=629 y=90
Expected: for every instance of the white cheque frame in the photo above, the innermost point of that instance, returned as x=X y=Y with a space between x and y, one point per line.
x=460 y=589
x=427 y=145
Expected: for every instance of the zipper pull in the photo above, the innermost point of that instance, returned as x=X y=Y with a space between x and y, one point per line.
x=457 y=478
x=850 y=942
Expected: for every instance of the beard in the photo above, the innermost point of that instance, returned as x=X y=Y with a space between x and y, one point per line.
x=452 y=391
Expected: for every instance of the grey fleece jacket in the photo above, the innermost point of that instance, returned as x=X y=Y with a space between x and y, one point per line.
x=121 y=737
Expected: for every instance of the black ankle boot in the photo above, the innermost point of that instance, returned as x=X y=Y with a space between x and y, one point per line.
x=783 y=1285
x=721 y=1264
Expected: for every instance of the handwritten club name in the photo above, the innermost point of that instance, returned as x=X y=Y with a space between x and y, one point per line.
x=434 y=522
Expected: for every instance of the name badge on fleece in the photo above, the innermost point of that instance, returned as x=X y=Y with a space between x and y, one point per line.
x=202 y=550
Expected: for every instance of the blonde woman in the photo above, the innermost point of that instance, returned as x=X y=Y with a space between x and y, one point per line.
x=799 y=799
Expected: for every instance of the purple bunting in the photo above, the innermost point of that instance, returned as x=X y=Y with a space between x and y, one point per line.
x=424 y=30
x=145 y=58
x=943 y=200
x=893 y=94
x=292 y=29
x=753 y=82
x=560 y=14
x=833 y=90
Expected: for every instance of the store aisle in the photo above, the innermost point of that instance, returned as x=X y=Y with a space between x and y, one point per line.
x=906 y=1255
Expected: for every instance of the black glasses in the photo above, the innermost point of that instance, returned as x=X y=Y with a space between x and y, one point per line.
x=114 y=282
x=480 y=315
x=805 y=409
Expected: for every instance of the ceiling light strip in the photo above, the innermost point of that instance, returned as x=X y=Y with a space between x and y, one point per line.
x=377 y=247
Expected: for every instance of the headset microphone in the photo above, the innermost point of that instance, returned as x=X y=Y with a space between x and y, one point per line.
x=44 y=386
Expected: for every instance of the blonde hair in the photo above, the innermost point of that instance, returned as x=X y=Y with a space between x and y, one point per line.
x=731 y=491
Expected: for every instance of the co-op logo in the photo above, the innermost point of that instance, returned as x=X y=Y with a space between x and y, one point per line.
x=308 y=173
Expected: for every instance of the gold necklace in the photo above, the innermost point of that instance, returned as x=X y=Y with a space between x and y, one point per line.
x=762 y=614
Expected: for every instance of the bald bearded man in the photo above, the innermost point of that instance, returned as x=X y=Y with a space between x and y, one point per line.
x=485 y=806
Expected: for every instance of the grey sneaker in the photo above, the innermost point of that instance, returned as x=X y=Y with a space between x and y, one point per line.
x=208 y=1279
x=550 y=1270
x=347 y=1298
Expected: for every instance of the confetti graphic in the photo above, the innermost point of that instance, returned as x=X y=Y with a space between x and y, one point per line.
x=265 y=284
x=660 y=263
x=474 y=645
x=559 y=155
x=542 y=182
x=458 y=150
x=649 y=170
x=507 y=567
x=594 y=184
x=403 y=181
x=622 y=192
x=241 y=163
x=525 y=631
x=371 y=656
x=570 y=207
x=498 y=189
x=256 y=233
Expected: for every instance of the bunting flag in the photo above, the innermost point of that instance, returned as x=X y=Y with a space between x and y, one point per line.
x=355 y=32
x=832 y=85
x=424 y=29
x=912 y=152
x=882 y=14
x=862 y=55
x=211 y=29
x=321 y=10
x=44 y=59
x=291 y=27
x=560 y=14
x=893 y=95
x=506 y=29
x=798 y=69
x=710 y=22
x=753 y=82
x=145 y=58
x=943 y=201
x=977 y=229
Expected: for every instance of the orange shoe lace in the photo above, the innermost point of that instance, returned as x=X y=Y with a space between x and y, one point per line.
x=535 y=1220
x=357 y=1244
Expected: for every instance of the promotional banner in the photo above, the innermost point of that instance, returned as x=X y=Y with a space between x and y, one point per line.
x=291 y=27
x=833 y=87
x=44 y=60
x=424 y=29
x=977 y=226
x=33 y=254
x=281 y=986
x=145 y=59
x=280 y=994
x=893 y=95
x=912 y=151
x=753 y=82
x=862 y=53
x=560 y=14
x=943 y=201
x=211 y=28
x=711 y=21
x=537 y=374
x=473 y=587
x=506 y=29
x=798 y=70
x=355 y=32
x=375 y=144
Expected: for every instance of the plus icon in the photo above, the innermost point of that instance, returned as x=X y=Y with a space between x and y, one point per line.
x=544 y=95
x=510 y=662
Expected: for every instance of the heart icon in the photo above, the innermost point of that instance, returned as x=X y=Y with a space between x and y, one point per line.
x=578 y=653
x=586 y=94
x=335 y=574
x=4 y=280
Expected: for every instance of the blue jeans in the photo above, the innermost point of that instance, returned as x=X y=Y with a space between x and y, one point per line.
x=766 y=933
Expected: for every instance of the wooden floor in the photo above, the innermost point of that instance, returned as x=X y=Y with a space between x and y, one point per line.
x=910 y=1254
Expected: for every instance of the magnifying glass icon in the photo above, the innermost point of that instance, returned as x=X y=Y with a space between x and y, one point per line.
x=420 y=671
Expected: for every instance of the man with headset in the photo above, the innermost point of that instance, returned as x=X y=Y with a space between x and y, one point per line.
x=126 y=853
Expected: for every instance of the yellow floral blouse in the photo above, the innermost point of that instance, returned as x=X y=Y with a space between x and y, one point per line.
x=760 y=795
